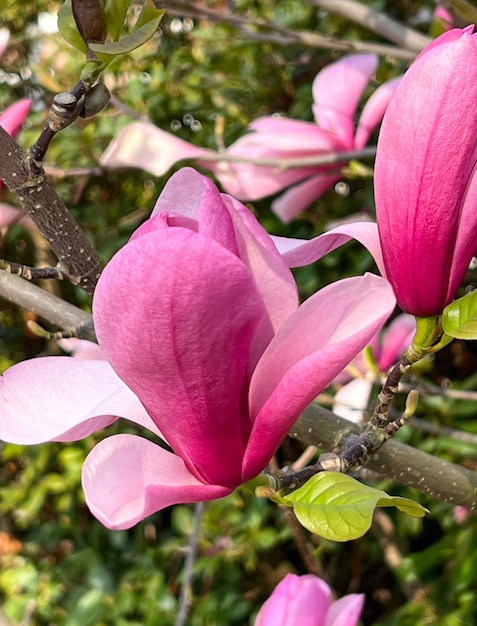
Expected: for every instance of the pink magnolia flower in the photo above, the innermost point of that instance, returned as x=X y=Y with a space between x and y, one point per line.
x=206 y=347
x=307 y=601
x=337 y=90
x=425 y=175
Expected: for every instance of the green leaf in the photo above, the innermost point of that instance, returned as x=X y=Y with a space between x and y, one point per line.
x=115 y=11
x=147 y=24
x=68 y=28
x=338 y=507
x=459 y=318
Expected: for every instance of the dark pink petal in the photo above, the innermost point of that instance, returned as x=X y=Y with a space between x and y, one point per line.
x=63 y=399
x=346 y=611
x=298 y=198
x=373 y=112
x=424 y=175
x=396 y=339
x=337 y=90
x=13 y=117
x=143 y=145
x=309 y=350
x=175 y=314
x=299 y=252
x=126 y=478
x=296 y=601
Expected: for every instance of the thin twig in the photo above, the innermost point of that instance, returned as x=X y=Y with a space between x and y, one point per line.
x=185 y=600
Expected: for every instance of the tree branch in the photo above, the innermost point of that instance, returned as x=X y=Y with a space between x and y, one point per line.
x=383 y=25
x=402 y=463
x=78 y=259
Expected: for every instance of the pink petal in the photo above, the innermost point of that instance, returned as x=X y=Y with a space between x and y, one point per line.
x=298 y=198
x=424 y=175
x=143 y=145
x=309 y=350
x=373 y=112
x=299 y=252
x=337 y=90
x=175 y=314
x=62 y=399
x=126 y=478
x=296 y=600
x=351 y=400
x=346 y=611
x=396 y=339
x=81 y=349
x=13 y=117
x=4 y=37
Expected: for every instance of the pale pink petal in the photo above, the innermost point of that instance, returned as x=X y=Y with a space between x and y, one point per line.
x=298 y=198
x=373 y=112
x=126 y=478
x=309 y=350
x=346 y=611
x=144 y=146
x=9 y=215
x=81 y=348
x=4 y=37
x=296 y=601
x=351 y=400
x=175 y=314
x=337 y=90
x=62 y=399
x=299 y=252
x=13 y=117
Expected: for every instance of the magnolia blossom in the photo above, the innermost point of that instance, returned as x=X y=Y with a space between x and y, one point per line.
x=205 y=346
x=337 y=90
x=307 y=601
x=425 y=175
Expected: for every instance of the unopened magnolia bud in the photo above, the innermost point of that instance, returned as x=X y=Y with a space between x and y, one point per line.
x=95 y=100
x=90 y=20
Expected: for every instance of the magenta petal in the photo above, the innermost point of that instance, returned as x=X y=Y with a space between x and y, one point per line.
x=143 y=145
x=175 y=314
x=126 y=478
x=299 y=252
x=298 y=198
x=337 y=90
x=296 y=600
x=346 y=611
x=62 y=399
x=13 y=117
x=396 y=339
x=309 y=350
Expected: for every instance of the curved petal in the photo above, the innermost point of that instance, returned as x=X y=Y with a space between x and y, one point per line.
x=298 y=198
x=337 y=90
x=303 y=600
x=4 y=37
x=309 y=350
x=299 y=252
x=373 y=112
x=13 y=117
x=396 y=339
x=81 y=348
x=175 y=314
x=126 y=478
x=143 y=145
x=63 y=399
x=351 y=400
x=195 y=197
x=422 y=174
x=346 y=611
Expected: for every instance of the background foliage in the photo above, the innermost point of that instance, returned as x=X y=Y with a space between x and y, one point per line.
x=205 y=81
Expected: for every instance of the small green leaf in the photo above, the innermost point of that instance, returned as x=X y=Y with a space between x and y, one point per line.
x=115 y=11
x=459 y=318
x=340 y=508
x=68 y=28
x=147 y=24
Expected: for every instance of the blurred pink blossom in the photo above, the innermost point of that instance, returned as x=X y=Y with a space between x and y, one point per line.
x=207 y=348
x=307 y=601
x=337 y=90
